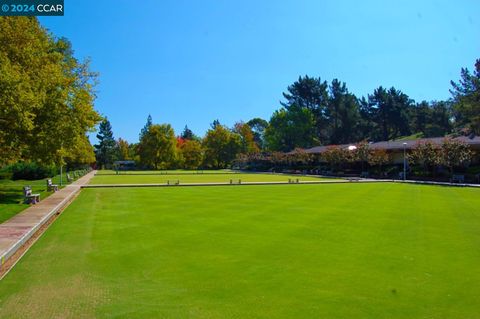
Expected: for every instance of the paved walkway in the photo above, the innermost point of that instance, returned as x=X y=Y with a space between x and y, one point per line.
x=172 y=184
x=21 y=227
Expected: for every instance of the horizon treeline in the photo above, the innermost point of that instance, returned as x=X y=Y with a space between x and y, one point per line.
x=314 y=112
x=47 y=109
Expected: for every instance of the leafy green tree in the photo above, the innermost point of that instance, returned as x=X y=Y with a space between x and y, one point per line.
x=123 y=150
x=45 y=93
x=221 y=146
x=290 y=128
x=105 y=149
x=82 y=153
x=466 y=96
x=192 y=154
x=157 y=148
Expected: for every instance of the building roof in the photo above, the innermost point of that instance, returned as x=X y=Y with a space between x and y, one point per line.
x=124 y=163
x=473 y=141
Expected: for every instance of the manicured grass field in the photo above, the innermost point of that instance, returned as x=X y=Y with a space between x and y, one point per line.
x=291 y=251
x=152 y=178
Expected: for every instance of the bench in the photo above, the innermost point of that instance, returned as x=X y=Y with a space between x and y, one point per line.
x=364 y=174
x=50 y=186
x=353 y=179
x=293 y=181
x=69 y=178
x=173 y=182
x=235 y=181
x=30 y=198
x=457 y=179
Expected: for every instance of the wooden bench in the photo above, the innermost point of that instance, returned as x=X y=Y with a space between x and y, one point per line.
x=235 y=181
x=50 y=186
x=293 y=181
x=173 y=182
x=457 y=179
x=30 y=198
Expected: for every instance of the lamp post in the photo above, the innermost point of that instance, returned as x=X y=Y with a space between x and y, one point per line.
x=61 y=165
x=404 y=161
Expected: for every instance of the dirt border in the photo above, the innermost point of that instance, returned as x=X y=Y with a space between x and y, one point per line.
x=20 y=252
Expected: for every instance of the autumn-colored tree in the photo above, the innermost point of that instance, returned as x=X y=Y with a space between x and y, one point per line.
x=247 y=138
x=426 y=154
x=335 y=156
x=299 y=156
x=362 y=153
x=454 y=153
x=378 y=157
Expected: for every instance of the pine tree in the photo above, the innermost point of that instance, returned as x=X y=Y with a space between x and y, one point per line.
x=145 y=128
x=187 y=134
x=105 y=149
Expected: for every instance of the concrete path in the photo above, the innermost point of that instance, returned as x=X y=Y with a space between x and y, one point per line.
x=333 y=181
x=21 y=227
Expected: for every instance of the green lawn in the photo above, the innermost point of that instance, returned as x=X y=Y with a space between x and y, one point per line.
x=147 y=178
x=293 y=251
x=11 y=194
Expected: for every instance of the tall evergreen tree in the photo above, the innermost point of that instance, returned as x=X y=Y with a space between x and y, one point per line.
x=258 y=126
x=466 y=95
x=343 y=114
x=310 y=93
x=389 y=113
x=214 y=124
x=187 y=134
x=106 y=147
x=145 y=129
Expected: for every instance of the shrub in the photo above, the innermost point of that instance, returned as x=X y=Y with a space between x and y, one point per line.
x=5 y=173
x=30 y=171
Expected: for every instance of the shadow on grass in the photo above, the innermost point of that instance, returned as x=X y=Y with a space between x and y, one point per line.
x=10 y=196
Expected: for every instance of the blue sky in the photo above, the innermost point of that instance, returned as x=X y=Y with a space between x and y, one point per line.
x=190 y=62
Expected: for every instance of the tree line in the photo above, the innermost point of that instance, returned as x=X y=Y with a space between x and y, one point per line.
x=315 y=112
x=47 y=109
x=312 y=113
x=160 y=148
